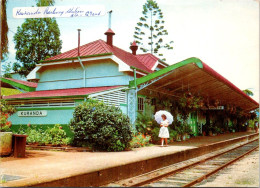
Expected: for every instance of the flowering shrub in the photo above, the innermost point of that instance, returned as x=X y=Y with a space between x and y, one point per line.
x=140 y=140
x=54 y=135
x=5 y=112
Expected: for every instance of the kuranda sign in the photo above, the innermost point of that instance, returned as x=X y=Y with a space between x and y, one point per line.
x=37 y=113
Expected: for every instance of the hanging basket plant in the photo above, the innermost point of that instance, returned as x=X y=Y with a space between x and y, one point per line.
x=190 y=101
x=216 y=103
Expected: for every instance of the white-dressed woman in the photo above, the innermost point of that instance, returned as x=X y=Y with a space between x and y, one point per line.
x=164 y=132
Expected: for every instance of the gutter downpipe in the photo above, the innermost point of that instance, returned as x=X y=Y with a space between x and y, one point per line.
x=135 y=77
x=84 y=71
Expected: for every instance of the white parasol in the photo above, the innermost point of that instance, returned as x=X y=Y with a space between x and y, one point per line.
x=158 y=116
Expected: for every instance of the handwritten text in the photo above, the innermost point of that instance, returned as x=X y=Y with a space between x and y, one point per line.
x=59 y=11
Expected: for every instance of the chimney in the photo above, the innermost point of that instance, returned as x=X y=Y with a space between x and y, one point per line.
x=134 y=48
x=109 y=35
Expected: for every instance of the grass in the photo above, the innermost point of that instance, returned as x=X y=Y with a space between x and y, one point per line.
x=3 y=180
x=244 y=181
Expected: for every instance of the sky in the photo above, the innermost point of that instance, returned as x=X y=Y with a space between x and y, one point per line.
x=224 y=34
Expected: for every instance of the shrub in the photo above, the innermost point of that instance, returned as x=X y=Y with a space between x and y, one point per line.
x=100 y=126
x=5 y=111
x=140 y=140
x=34 y=136
x=173 y=134
x=155 y=135
x=187 y=128
x=143 y=124
x=53 y=135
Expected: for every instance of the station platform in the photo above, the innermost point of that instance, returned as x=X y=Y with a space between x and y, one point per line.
x=85 y=169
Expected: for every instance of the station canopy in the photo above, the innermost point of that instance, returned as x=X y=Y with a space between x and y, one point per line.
x=196 y=77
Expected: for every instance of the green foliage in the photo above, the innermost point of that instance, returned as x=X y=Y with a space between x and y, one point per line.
x=173 y=133
x=7 y=69
x=189 y=103
x=155 y=135
x=150 y=29
x=5 y=112
x=36 y=40
x=23 y=127
x=45 y=2
x=100 y=126
x=140 y=140
x=143 y=123
x=56 y=135
x=251 y=123
x=179 y=130
x=187 y=128
x=248 y=92
x=53 y=135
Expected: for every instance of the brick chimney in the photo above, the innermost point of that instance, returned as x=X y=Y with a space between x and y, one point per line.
x=109 y=35
x=134 y=48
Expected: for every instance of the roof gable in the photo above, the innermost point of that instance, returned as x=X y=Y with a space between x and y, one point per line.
x=92 y=48
x=100 y=47
x=148 y=60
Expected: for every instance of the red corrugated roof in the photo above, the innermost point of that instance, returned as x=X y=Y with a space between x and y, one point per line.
x=60 y=92
x=226 y=81
x=29 y=84
x=148 y=59
x=129 y=59
x=101 y=47
x=92 y=48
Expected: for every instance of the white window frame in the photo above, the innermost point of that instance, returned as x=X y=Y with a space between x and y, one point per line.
x=140 y=104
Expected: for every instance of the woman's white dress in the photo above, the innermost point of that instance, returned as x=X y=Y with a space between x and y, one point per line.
x=164 y=132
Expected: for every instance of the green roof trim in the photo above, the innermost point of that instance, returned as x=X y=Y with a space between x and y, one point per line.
x=165 y=70
x=19 y=85
x=72 y=58
x=45 y=108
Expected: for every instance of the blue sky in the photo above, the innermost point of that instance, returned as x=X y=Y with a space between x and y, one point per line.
x=223 y=33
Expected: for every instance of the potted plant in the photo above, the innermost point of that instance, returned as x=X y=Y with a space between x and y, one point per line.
x=178 y=133
x=5 y=131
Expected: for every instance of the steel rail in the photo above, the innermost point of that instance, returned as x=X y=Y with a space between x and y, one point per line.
x=153 y=179
x=219 y=168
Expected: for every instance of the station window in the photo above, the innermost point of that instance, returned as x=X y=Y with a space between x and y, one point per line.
x=140 y=104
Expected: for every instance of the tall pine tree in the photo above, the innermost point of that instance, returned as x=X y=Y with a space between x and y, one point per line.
x=150 y=31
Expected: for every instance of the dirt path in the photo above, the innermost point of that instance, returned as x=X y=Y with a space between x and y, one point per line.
x=243 y=173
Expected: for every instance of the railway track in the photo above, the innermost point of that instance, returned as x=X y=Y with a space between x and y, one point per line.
x=193 y=171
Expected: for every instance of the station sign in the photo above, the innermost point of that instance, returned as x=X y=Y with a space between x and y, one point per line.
x=32 y=113
x=214 y=108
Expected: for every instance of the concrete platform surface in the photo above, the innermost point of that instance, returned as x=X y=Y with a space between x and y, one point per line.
x=45 y=166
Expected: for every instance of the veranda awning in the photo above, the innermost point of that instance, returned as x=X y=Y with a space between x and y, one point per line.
x=198 y=78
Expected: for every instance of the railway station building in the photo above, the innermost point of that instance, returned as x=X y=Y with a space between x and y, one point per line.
x=136 y=83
